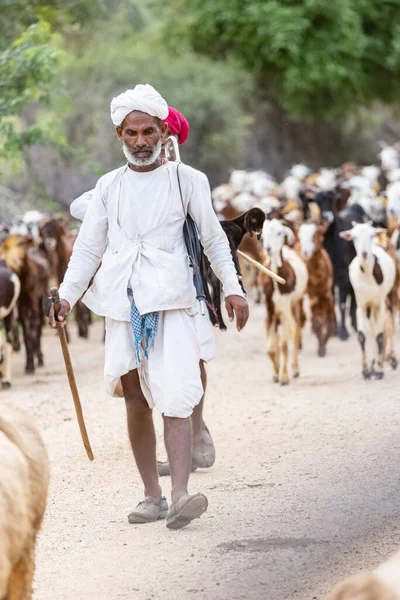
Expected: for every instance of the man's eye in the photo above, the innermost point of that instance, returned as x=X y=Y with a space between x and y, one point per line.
x=130 y=132
x=149 y=131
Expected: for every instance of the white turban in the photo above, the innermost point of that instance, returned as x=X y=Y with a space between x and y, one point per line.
x=143 y=98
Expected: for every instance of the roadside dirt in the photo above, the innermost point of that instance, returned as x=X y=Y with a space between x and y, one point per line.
x=304 y=491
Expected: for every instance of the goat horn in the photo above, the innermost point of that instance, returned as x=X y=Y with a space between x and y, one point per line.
x=261 y=267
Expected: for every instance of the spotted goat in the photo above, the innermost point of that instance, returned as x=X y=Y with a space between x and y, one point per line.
x=285 y=316
x=372 y=275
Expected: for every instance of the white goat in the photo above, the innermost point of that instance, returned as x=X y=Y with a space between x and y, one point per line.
x=240 y=181
x=372 y=172
x=389 y=156
x=300 y=171
x=393 y=199
x=291 y=187
x=261 y=184
x=285 y=315
x=372 y=275
x=222 y=196
x=326 y=180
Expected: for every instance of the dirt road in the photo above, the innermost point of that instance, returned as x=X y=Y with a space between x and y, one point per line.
x=305 y=489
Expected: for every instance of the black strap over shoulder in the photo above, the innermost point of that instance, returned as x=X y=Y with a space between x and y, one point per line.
x=195 y=251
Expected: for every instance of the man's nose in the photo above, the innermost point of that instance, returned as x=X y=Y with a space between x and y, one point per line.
x=141 y=141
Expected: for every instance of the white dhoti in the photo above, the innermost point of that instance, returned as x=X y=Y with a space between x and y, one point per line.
x=170 y=375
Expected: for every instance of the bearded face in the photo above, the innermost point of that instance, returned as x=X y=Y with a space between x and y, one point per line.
x=141 y=136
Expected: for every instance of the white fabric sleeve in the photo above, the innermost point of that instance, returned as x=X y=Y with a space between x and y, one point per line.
x=88 y=249
x=80 y=205
x=213 y=237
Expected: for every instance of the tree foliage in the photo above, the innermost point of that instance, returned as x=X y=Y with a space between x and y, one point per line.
x=208 y=93
x=17 y=15
x=27 y=69
x=319 y=58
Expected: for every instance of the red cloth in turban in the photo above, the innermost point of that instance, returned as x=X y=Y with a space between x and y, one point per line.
x=177 y=124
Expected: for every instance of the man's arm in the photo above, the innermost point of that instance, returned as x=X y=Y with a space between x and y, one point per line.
x=88 y=249
x=216 y=247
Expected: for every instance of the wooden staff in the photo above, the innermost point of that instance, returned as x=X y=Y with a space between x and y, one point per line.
x=55 y=299
x=261 y=267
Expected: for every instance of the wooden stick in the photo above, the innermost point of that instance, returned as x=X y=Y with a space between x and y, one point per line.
x=71 y=376
x=261 y=267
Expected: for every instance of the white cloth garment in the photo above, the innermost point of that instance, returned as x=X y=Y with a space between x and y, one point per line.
x=170 y=376
x=143 y=98
x=134 y=226
x=138 y=219
x=127 y=361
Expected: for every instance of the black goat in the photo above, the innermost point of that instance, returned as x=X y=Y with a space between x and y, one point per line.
x=341 y=254
x=250 y=222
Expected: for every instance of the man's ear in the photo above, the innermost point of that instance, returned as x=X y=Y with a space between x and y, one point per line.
x=164 y=131
x=119 y=132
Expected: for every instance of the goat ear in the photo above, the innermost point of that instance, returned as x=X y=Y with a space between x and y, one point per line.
x=247 y=225
x=289 y=235
x=346 y=235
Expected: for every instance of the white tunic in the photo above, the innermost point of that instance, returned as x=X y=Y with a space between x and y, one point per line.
x=139 y=218
x=138 y=237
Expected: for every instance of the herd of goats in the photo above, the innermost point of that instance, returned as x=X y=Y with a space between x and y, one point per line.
x=332 y=235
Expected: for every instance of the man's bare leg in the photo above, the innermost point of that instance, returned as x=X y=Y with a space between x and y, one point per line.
x=198 y=425
x=178 y=442
x=203 y=447
x=141 y=434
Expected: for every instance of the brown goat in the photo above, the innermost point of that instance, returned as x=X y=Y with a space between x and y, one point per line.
x=24 y=467
x=320 y=282
x=58 y=244
x=33 y=270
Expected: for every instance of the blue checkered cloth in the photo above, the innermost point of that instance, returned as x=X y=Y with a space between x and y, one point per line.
x=144 y=327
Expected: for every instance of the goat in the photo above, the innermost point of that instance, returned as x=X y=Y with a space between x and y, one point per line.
x=25 y=472
x=381 y=584
x=389 y=156
x=340 y=253
x=10 y=287
x=222 y=197
x=250 y=222
x=372 y=274
x=33 y=270
x=320 y=282
x=283 y=301
x=58 y=244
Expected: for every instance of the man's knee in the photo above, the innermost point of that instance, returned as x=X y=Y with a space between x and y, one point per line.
x=134 y=398
x=137 y=403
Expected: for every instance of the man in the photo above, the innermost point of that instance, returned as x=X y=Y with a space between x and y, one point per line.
x=144 y=288
x=203 y=452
